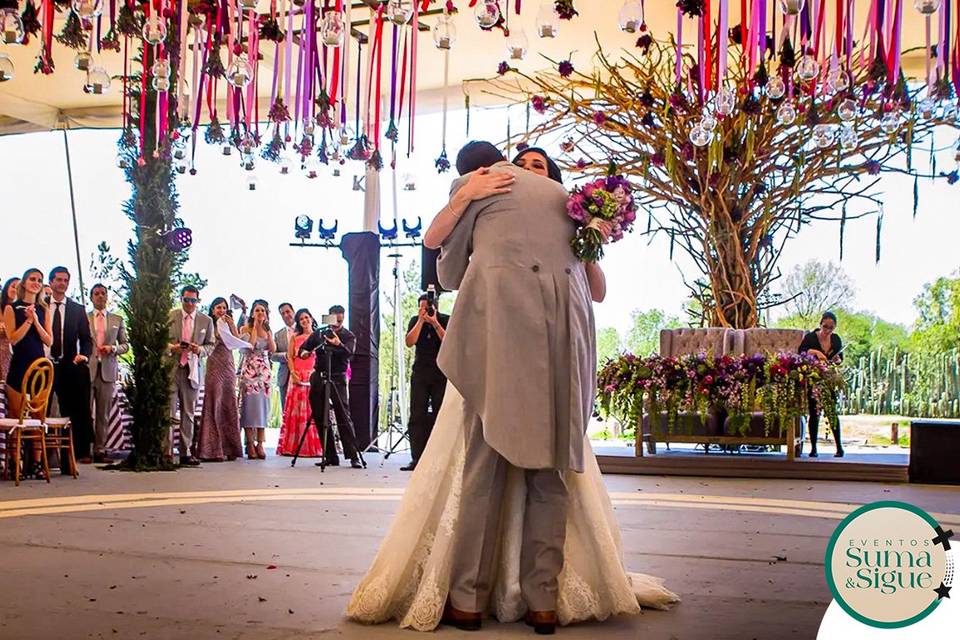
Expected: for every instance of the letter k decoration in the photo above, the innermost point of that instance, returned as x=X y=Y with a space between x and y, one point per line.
x=943 y=537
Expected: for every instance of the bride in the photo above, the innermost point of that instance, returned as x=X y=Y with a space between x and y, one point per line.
x=409 y=580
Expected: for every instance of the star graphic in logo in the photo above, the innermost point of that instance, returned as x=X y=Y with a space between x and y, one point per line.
x=942 y=591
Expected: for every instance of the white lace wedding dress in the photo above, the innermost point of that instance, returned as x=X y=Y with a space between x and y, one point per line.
x=409 y=578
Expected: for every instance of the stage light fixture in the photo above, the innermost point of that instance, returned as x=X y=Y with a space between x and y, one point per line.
x=327 y=233
x=303 y=227
x=388 y=233
x=413 y=232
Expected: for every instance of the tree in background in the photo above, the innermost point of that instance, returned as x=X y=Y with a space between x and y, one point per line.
x=812 y=288
x=643 y=338
x=938 y=307
x=608 y=344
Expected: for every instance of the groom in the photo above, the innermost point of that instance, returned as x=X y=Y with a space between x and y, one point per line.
x=519 y=349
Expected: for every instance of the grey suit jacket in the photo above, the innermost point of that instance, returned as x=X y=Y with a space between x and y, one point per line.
x=520 y=346
x=203 y=335
x=280 y=355
x=116 y=336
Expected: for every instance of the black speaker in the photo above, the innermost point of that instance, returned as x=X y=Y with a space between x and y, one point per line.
x=428 y=269
x=934 y=451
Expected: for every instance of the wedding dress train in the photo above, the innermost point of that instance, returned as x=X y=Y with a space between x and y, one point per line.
x=410 y=575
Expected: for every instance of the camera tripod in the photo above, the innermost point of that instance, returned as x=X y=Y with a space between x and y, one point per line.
x=322 y=424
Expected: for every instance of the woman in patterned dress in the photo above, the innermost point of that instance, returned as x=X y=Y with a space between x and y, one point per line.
x=7 y=297
x=218 y=438
x=297 y=414
x=255 y=379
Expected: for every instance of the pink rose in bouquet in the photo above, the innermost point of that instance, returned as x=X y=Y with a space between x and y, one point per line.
x=608 y=200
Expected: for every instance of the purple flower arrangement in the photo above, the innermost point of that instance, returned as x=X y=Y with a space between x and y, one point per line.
x=778 y=385
x=605 y=200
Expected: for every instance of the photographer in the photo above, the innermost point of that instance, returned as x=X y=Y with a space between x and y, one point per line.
x=340 y=344
x=427 y=384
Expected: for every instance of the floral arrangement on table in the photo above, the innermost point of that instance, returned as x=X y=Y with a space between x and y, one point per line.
x=608 y=199
x=778 y=385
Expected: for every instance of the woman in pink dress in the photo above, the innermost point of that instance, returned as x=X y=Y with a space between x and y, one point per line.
x=296 y=414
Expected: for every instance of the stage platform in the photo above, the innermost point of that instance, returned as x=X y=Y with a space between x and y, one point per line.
x=855 y=466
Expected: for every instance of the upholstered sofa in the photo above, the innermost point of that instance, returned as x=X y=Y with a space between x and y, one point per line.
x=715 y=428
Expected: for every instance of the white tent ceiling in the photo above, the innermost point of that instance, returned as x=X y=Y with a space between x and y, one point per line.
x=34 y=102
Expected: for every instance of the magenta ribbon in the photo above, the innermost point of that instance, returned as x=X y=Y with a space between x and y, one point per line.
x=679 y=63
x=722 y=30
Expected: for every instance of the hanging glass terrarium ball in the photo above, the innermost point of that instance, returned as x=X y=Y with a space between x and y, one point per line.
x=285 y=164
x=444 y=33
x=847 y=110
x=517 y=44
x=776 y=88
x=161 y=83
x=252 y=182
x=927 y=108
x=823 y=135
x=700 y=137
x=708 y=122
x=631 y=16
x=239 y=73
x=837 y=80
x=399 y=11
x=487 y=14
x=331 y=29
x=548 y=21
x=890 y=122
x=83 y=61
x=808 y=68
x=154 y=30
x=11 y=27
x=849 y=140
x=87 y=9
x=6 y=68
x=790 y=7
x=98 y=81
x=226 y=150
x=926 y=7
x=311 y=168
x=786 y=114
x=725 y=102
x=161 y=69
x=409 y=182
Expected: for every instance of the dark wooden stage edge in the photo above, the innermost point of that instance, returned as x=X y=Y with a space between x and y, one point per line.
x=738 y=466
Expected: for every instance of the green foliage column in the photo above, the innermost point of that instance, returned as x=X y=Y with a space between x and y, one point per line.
x=152 y=208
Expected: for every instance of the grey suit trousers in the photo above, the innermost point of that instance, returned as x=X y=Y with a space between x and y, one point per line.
x=102 y=399
x=185 y=396
x=476 y=547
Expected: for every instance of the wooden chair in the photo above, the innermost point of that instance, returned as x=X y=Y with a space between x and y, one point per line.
x=29 y=426
x=59 y=437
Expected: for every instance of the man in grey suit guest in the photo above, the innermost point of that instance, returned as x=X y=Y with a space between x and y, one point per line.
x=282 y=339
x=520 y=350
x=191 y=339
x=109 y=341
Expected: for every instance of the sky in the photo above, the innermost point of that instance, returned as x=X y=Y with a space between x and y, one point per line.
x=241 y=238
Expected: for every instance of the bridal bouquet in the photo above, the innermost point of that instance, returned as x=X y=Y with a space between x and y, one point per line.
x=607 y=199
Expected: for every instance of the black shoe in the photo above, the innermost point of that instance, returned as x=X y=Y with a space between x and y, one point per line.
x=409 y=467
x=813 y=454
x=838 y=454
x=327 y=463
x=355 y=464
x=189 y=462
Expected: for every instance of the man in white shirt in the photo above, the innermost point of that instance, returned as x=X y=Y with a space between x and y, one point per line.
x=283 y=338
x=109 y=341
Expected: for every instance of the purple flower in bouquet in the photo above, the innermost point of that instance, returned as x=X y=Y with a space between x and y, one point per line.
x=605 y=202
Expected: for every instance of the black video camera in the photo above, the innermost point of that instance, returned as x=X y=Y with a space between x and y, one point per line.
x=431 y=300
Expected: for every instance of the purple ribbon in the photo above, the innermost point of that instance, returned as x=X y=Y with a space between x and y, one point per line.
x=679 y=64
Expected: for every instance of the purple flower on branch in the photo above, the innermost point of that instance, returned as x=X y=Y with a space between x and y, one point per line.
x=503 y=68
x=565 y=68
x=539 y=104
x=599 y=118
x=872 y=167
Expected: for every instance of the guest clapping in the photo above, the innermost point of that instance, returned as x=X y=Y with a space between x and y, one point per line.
x=297 y=413
x=7 y=297
x=255 y=379
x=218 y=437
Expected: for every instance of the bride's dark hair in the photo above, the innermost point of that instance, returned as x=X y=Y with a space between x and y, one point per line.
x=553 y=170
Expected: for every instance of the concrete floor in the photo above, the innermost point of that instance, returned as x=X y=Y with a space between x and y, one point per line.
x=190 y=554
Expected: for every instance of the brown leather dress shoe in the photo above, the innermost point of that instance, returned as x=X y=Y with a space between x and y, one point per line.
x=463 y=620
x=543 y=622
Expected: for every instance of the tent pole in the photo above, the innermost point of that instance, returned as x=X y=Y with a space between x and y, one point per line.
x=73 y=210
